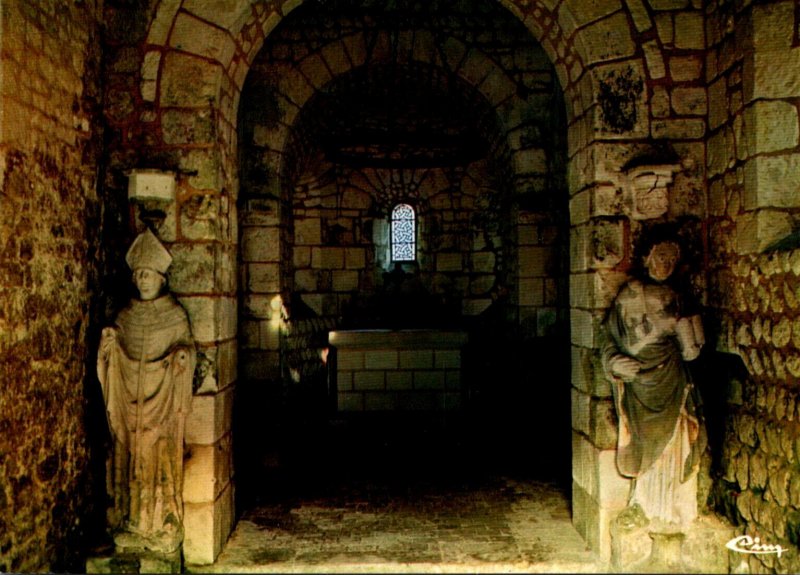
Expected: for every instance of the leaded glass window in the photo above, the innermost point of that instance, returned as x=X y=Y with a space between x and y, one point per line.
x=404 y=233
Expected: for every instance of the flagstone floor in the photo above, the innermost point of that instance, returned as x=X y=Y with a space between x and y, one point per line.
x=388 y=507
x=503 y=525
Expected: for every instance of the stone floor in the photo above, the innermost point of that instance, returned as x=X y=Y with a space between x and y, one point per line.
x=404 y=497
x=501 y=525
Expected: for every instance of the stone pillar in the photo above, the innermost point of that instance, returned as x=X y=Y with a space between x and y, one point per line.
x=597 y=247
x=203 y=229
x=770 y=131
x=204 y=281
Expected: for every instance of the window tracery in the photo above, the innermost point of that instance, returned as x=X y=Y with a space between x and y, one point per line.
x=403 y=233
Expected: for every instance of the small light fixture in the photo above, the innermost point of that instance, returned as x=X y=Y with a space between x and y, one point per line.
x=150 y=184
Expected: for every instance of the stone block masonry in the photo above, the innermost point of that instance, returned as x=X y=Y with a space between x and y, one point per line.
x=762 y=438
x=402 y=370
x=753 y=201
x=50 y=219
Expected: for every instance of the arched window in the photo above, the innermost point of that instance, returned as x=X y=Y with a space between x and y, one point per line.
x=404 y=234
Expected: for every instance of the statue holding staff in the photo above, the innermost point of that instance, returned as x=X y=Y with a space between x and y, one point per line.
x=145 y=365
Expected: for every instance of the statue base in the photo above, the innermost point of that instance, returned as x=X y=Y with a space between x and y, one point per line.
x=130 y=560
x=641 y=546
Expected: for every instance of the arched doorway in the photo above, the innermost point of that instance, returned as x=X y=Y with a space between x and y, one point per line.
x=349 y=111
x=192 y=128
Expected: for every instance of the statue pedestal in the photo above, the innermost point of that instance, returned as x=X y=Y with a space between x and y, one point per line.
x=641 y=546
x=131 y=560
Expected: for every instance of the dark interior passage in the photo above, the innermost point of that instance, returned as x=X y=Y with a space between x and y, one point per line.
x=292 y=443
x=350 y=110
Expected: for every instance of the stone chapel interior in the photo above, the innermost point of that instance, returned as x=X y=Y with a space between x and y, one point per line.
x=396 y=228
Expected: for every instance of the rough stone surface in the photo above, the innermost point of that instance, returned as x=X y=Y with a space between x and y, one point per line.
x=486 y=528
x=741 y=159
x=49 y=224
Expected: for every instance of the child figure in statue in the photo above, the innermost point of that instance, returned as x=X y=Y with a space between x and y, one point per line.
x=145 y=365
x=661 y=433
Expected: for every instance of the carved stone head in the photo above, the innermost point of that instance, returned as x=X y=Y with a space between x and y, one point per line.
x=149 y=261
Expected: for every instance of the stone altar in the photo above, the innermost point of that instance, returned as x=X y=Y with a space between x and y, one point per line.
x=404 y=369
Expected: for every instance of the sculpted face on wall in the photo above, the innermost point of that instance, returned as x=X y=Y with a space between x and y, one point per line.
x=145 y=366
x=649 y=191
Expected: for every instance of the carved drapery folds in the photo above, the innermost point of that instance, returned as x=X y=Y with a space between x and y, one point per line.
x=145 y=366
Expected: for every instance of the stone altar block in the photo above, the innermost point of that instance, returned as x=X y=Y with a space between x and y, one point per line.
x=398 y=370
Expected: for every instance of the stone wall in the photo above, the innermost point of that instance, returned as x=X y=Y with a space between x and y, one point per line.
x=171 y=122
x=398 y=370
x=630 y=72
x=315 y=229
x=760 y=484
x=651 y=107
x=753 y=148
x=49 y=214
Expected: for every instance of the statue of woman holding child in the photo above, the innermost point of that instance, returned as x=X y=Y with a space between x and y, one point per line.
x=649 y=338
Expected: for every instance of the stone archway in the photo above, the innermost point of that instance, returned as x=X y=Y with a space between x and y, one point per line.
x=485 y=195
x=604 y=48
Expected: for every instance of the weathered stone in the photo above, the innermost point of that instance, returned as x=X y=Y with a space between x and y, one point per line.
x=327 y=257
x=769 y=81
x=641 y=18
x=782 y=332
x=603 y=424
x=308 y=231
x=580 y=411
x=263 y=277
x=685 y=68
x=763 y=297
x=689 y=32
x=483 y=262
x=720 y=152
x=770 y=182
x=193 y=268
x=212 y=318
x=794 y=490
x=606 y=201
x=743 y=336
x=654 y=59
x=531 y=292
x=774 y=126
x=742 y=469
x=607 y=39
x=209 y=525
x=188 y=126
x=796 y=333
x=679 y=129
x=767 y=330
x=789 y=296
x=689 y=101
x=717 y=103
x=659 y=102
x=758 y=470
x=630 y=541
x=746 y=430
x=758 y=230
x=778 y=364
x=534 y=261
x=211 y=469
x=607 y=243
x=210 y=418
x=345 y=281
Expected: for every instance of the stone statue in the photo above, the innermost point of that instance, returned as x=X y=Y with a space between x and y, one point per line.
x=145 y=365
x=661 y=432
